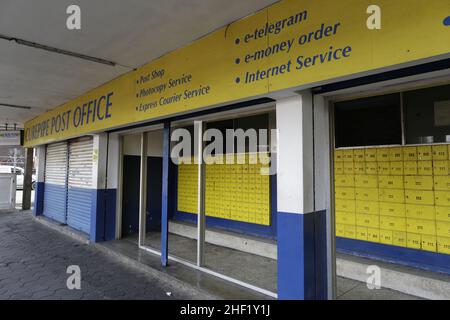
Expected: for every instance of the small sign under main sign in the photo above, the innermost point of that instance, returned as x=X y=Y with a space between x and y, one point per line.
x=10 y=138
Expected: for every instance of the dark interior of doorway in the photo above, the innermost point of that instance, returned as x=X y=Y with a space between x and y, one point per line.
x=130 y=197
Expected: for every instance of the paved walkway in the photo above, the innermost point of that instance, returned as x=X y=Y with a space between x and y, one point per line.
x=34 y=260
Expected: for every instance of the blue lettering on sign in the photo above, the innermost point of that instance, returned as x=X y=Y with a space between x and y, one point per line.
x=84 y=114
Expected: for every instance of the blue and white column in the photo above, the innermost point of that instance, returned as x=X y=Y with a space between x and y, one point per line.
x=103 y=215
x=301 y=226
x=40 y=181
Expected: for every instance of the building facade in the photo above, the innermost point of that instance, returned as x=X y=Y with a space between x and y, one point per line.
x=359 y=134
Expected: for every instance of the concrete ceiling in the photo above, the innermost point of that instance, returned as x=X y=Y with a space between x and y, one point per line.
x=129 y=33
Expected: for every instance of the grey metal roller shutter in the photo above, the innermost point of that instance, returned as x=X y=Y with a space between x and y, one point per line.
x=55 y=190
x=81 y=192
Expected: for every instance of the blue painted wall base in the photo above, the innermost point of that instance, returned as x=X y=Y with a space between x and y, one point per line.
x=302 y=258
x=103 y=215
x=38 y=209
x=388 y=253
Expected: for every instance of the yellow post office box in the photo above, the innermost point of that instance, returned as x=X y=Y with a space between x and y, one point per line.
x=420 y=212
x=359 y=167
x=414 y=240
x=338 y=167
x=340 y=230
x=367 y=220
x=366 y=194
x=399 y=238
x=348 y=155
x=392 y=195
x=348 y=168
x=370 y=155
x=361 y=233
x=371 y=168
x=443 y=245
x=345 y=218
x=392 y=209
x=410 y=168
x=442 y=198
x=424 y=153
x=384 y=168
x=345 y=205
x=440 y=168
x=420 y=226
x=429 y=243
x=396 y=168
x=442 y=183
x=373 y=234
x=382 y=154
x=409 y=153
x=367 y=207
x=392 y=223
x=366 y=181
x=419 y=183
x=344 y=181
x=390 y=182
x=396 y=154
x=347 y=193
x=425 y=168
x=419 y=197
x=440 y=152
x=385 y=236
x=350 y=231
x=442 y=213
x=443 y=229
x=358 y=155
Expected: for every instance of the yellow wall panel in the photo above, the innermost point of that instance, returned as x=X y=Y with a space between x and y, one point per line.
x=366 y=194
x=420 y=212
x=370 y=155
x=442 y=213
x=442 y=183
x=425 y=168
x=429 y=243
x=367 y=207
x=424 y=153
x=414 y=240
x=419 y=183
x=390 y=182
x=443 y=245
x=385 y=236
x=421 y=226
x=440 y=152
x=399 y=238
x=419 y=197
x=410 y=153
x=396 y=195
x=396 y=154
x=410 y=168
x=233 y=191
x=441 y=168
x=392 y=209
x=393 y=223
x=442 y=198
x=373 y=235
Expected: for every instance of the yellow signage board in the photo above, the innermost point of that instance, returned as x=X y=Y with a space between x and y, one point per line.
x=289 y=44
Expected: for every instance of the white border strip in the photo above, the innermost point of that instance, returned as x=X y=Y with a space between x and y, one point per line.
x=213 y=273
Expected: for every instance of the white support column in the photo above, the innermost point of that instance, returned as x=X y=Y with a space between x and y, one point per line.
x=201 y=216
x=100 y=147
x=40 y=177
x=114 y=183
x=300 y=226
x=98 y=215
x=143 y=190
x=323 y=182
x=295 y=154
